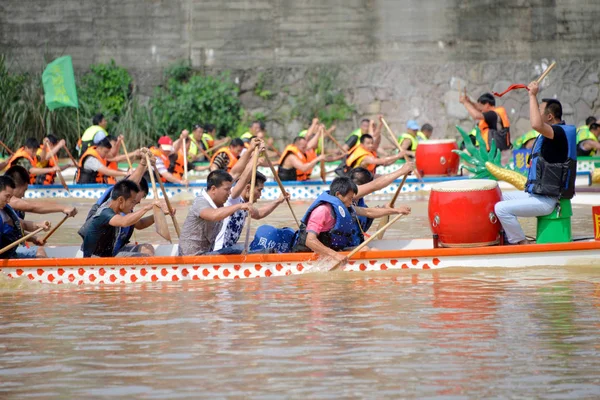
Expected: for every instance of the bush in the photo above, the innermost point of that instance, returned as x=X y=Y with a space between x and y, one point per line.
x=107 y=89
x=181 y=103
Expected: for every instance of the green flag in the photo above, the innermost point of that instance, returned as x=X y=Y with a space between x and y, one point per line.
x=59 y=84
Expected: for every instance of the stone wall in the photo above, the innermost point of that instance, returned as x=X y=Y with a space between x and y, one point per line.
x=400 y=57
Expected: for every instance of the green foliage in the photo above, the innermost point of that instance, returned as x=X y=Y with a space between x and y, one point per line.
x=107 y=89
x=200 y=99
x=322 y=97
x=180 y=71
x=260 y=90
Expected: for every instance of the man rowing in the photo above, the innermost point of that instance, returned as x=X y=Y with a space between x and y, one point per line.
x=26 y=157
x=298 y=159
x=365 y=155
x=46 y=154
x=226 y=157
x=93 y=164
x=169 y=159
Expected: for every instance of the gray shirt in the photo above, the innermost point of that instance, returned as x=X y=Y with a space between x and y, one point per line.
x=198 y=236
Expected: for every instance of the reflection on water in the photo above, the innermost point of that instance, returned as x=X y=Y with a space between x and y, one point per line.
x=450 y=333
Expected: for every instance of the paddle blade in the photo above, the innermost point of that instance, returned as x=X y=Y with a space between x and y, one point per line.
x=160 y=223
x=382 y=222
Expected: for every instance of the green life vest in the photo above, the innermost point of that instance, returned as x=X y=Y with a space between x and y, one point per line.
x=413 y=141
x=357 y=133
x=421 y=137
x=303 y=133
x=520 y=142
x=90 y=132
x=246 y=136
x=584 y=133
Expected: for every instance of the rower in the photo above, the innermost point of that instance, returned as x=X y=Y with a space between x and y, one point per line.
x=169 y=159
x=226 y=157
x=93 y=165
x=45 y=159
x=354 y=137
x=364 y=155
x=425 y=133
x=298 y=160
x=114 y=158
x=255 y=127
x=26 y=157
x=493 y=121
x=527 y=140
x=583 y=130
x=554 y=152
x=587 y=141
x=226 y=242
x=330 y=223
x=12 y=227
x=94 y=134
x=205 y=217
x=21 y=205
x=103 y=228
x=408 y=140
x=121 y=246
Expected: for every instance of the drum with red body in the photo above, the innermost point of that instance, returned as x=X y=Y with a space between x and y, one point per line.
x=435 y=157
x=461 y=213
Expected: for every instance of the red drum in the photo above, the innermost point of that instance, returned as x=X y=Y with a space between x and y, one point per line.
x=461 y=213
x=435 y=157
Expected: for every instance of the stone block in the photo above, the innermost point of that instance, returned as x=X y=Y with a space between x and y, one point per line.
x=453 y=108
x=363 y=96
x=373 y=108
x=581 y=111
x=519 y=128
x=592 y=77
x=457 y=83
x=590 y=94
x=570 y=93
x=567 y=109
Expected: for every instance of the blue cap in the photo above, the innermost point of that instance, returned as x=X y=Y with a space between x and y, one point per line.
x=412 y=124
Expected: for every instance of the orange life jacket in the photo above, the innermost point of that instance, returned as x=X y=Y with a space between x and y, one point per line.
x=232 y=158
x=86 y=175
x=111 y=180
x=22 y=153
x=484 y=128
x=47 y=179
x=356 y=157
x=305 y=158
x=175 y=168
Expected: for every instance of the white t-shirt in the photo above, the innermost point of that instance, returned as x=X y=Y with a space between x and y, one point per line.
x=160 y=166
x=232 y=226
x=92 y=164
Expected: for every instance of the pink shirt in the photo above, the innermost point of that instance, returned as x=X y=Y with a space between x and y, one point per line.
x=321 y=219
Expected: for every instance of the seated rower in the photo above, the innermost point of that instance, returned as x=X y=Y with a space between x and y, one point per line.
x=587 y=141
x=122 y=247
x=93 y=165
x=226 y=157
x=354 y=137
x=364 y=155
x=205 y=218
x=554 y=153
x=12 y=228
x=298 y=160
x=103 y=229
x=408 y=140
x=169 y=160
x=45 y=159
x=330 y=223
x=20 y=177
x=425 y=133
x=226 y=242
x=199 y=139
x=26 y=157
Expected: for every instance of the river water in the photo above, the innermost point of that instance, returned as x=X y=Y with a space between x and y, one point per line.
x=460 y=333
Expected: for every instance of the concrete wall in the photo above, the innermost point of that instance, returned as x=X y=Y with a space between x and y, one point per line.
x=401 y=57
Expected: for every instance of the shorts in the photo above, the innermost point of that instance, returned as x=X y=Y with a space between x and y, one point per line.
x=24 y=252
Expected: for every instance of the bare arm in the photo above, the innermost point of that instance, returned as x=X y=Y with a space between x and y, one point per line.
x=219 y=214
x=129 y=219
x=42 y=171
x=172 y=178
x=300 y=166
x=378 y=212
x=40 y=207
x=240 y=167
x=30 y=226
x=471 y=109
x=313 y=243
x=370 y=160
x=586 y=145
x=383 y=181
x=534 y=113
x=268 y=208
x=111 y=172
x=145 y=222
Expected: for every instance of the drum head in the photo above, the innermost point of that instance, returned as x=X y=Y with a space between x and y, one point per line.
x=467 y=185
x=437 y=141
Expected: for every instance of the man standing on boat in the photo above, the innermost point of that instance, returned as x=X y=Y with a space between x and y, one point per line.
x=493 y=121
x=330 y=223
x=552 y=172
x=12 y=227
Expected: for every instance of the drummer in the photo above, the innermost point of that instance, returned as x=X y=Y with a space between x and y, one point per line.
x=556 y=148
x=330 y=226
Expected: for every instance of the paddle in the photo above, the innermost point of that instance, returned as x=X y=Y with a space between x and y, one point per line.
x=160 y=221
x=45 y=239
x=200 y=148
x=18 y=242
x=6 y=148
x=225 y=143
x=252 y=186
x=322 y=162
x=166 y=196
x=335 y=141
x=58 y=173
x=392 y=137
x=383 y=221
x=126 y=154
x=185 y=163
x=282 y=188
x=369 y=240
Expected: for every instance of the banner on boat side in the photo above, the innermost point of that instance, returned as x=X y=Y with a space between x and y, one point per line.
x=520 y=157
x=596 y=216
x=59 y=84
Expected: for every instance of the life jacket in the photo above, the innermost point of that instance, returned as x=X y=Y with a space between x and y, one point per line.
x=421 y=137
x=22 y=153
x=520 y=142
x=365 y=223
x=502 y=136
x=10 y=233
x=584 y=133
x=246 y=136
x=345 y=231
x=292 y=174
x=356 y=157
x=413 y=141
x=48 y=178
x=232 y=158
x=319 y=149
x=553 y=179
x=176 y=167
x=165 y=159
x=86 y=175
x=357 y=133
x=111 y=180
x=87 y=139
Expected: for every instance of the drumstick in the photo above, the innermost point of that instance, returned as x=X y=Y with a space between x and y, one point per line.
x=392 y=138
x=546 y=72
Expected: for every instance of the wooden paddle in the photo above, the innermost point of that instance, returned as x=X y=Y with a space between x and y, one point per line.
x=58 y=173
x=204 y=153
x=252 y=186
x=6 y=148
x=369 y=240
x=126 y=155
x=18 y=242
x=160 y=221
x=383 y=221
x=392 y=138
x=330 y=136
x=45 y=239
x=322 y=162
x=185 y=163
x=225 y=143
x=282 y=188
x=166 y=196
